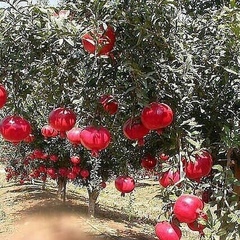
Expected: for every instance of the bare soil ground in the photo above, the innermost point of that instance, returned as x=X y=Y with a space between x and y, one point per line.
x=130 y=218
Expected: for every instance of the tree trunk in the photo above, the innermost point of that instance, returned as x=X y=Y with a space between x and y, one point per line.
x=62 y=186
x=92 y=198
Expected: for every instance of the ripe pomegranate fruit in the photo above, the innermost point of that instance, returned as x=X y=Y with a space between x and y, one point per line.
x=149 y=162
x=100 y=41
x=95 y=139
x=29 y=139
x=48 y=131
x=3 y=96
x=201 y=167
x=156 y=115
x=167 y=231
x=187 y=208
x=109 y=104
x=169 y=178
x=133 y=129
x=75 y=160
x=62 y=120
x=15 y=128
x=124 y=184
x=164 y=157
x=196 y=225
x=73 y=136
x=53 y=157
x=84 y=173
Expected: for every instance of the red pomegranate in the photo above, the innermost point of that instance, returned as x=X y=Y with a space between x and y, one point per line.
x=133 y=129
x=38 y=153
x=167 y=231
x=71 y=175
x=15 y=128
x=76 y=170
x=95 y=139
x=63 y=171
x=164 y=157
x=103 y=184
x=29 y=139
x=3 y=96
x=156 y=115
x=197 y=224
x=100 y=42
x=109 y=104
x=75 y=160
x=200 y=167
x=124 y=184
x=149 y=162
x=169 y=178
x=53 y=157
x=48 y=131
x=187 y=208
x=73 y=136
x=62 y=119
x=84 y=173
x=52 y=172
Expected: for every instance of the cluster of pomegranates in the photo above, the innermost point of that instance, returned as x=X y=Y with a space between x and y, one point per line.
x=99 y=41
x=187 y=209
x=154 y=117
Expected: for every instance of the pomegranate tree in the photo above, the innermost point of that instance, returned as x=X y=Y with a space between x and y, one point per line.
x=133 y=129
x=15 y=128
x=156 y=116
x=167 y=231
x=187 y=208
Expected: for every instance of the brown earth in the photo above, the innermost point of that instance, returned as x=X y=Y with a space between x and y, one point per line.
x=30 y=212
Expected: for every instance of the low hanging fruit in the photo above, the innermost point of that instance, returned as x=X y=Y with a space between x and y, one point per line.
x=15 y=128
x=124 y=184
x=84 y=173
x=48 y=131
x=169 y=178
x=197 y=225
x=110 y=105
x=62 y=120
x=73 y=136
x=134 y=130
x=75 y=160
x=156 y=116
x=100 y=41
x=200 y=167
x=149 y=162
x=167 y=231
x=95 y=139
x=3 y=96
x=187 y=208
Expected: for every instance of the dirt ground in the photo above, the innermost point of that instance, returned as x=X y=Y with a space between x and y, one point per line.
x=21 y=205
x=28 y=210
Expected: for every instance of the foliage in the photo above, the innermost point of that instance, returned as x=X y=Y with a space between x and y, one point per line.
x=182 y=53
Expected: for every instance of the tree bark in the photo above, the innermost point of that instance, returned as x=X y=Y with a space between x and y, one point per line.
x=92 y=198
x=62 y=186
